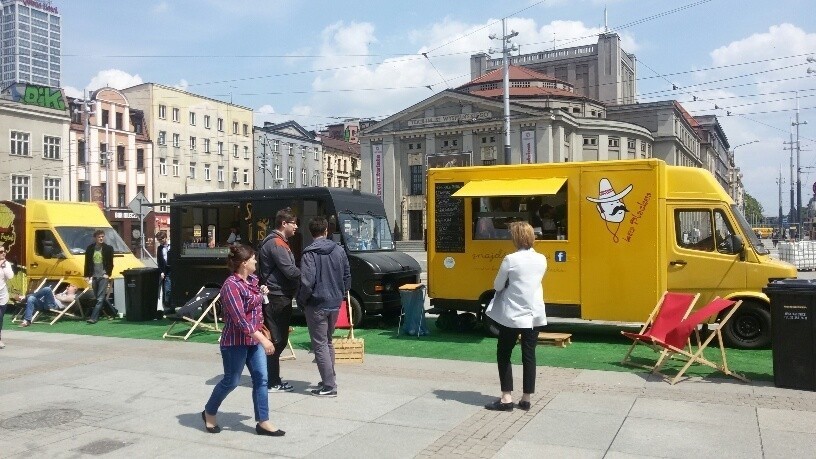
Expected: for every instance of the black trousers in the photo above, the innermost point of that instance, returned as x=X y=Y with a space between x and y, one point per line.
x=277 y=316
x=504 y=349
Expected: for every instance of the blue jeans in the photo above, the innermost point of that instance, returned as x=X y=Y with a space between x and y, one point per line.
x=100 y=289
x=165 y=289
x=41 y=300
x=234 y=358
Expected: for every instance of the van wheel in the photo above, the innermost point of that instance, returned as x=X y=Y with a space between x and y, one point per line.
x=749 y=327
x=356 y=311
x=490 y=326
x=447 y=320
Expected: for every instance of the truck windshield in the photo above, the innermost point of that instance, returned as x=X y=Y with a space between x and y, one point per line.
x=365 y=232
x=78 y=238
x=748 y=231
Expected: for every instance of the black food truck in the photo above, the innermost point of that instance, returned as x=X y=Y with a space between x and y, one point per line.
x=201 y=225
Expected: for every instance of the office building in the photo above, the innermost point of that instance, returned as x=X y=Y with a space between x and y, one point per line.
x=31 y=43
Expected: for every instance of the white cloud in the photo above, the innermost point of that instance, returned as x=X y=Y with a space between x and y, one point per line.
x=71 y=91
x=160 y=8
x=182 y=84
x=266 y=113
x=113 y=78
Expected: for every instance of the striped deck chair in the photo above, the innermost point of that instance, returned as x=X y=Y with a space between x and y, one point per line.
x=37 y=285
x=201 y=306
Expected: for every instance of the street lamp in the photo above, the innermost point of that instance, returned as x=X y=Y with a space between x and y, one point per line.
x=734 y=175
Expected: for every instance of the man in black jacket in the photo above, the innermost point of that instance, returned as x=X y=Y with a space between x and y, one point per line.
x=98 y=270
x=162 y=252
x=325 y=260
x=278 y=271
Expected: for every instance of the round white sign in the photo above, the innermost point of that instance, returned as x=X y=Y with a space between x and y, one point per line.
x=449 y=262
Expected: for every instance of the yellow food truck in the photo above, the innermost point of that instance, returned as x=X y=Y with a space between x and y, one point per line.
x=616 y=234
x=48 y=239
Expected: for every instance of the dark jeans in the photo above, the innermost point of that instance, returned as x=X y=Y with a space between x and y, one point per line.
x=277 y=316
x=100 y=289
x=2 y=313
x=234 y=359
x=321 y=327
x=165 y=290
x=504 y=348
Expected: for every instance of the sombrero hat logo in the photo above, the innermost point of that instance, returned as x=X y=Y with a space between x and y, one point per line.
x=607 y=194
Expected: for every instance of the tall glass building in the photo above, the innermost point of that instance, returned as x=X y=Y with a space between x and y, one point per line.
x=31 y=42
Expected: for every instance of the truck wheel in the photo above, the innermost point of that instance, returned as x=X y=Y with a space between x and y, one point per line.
x=490 y=327
x=356 y=311
x=749 y=327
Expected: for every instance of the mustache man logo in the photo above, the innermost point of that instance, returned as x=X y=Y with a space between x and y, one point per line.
x=610 y=205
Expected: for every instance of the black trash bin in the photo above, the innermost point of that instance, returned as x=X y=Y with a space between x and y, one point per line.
x=141 y=293
x=793 y=325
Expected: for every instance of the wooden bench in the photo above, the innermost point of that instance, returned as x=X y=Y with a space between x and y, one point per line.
x=556 y=339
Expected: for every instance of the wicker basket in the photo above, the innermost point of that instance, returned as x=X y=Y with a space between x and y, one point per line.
x=349 y=349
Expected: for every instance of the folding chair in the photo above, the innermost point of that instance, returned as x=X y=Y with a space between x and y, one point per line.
x=680 y=335
x=45 y=282
x=70 y=307
x=670 y=310
x=204 y=301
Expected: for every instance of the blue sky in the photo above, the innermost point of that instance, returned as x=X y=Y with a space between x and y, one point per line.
x=319 y=61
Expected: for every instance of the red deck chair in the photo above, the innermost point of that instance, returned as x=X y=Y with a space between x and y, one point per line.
x=666 y=316
x=677 y=338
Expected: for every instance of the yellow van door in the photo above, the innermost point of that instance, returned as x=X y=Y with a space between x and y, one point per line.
x=701 y=258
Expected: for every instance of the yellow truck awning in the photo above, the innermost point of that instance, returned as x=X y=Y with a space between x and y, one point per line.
x=517 y=187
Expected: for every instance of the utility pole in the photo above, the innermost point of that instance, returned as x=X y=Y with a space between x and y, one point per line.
x=86 y=111
x=779 y=182
x=507 y=46
x=792 y=214
x=798 y=163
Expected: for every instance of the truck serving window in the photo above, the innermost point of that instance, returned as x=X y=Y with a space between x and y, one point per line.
x=78 y=238
x=547 y=214
x=200 y=234
x=365 y=232
x=693 y=229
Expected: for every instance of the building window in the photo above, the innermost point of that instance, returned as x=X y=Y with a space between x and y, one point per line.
x=175 y=168
x=20 y=187
x=121 y=194
x=192 y=170
x=234 y=175
x=275 y=146
x=176 y=140
x=290 y=148
x=206 y=145
x=207 y=172
x=105 y=117
x=162 y=166
x=120 y=156
x=303 y=151
x=235 y=127
x=234 y=151
x=614 y=142
x=246 y=176
x=246 y=129
x=277 y=172
x=162 y=112
x=220 y=148
x=51 y=147
x=304 y=177
x=162 y=140
x=220 y=174
x=192 y=143
x=630 y=144
x=316 y=154
x=19 y=144
x=246 y=152
x=51 y=188
x=163 y=200
x=140 y=189
x=206 y=121
x=219 y=124
x=291 y=174
x=417 y=173
x=591 y=141
x=140 y=159
x=192 y=118
x=103 y=154
x=81 y=155
x=119 y=122
x=176 y=115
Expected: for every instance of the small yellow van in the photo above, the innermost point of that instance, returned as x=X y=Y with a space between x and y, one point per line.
x=48 y=239
x=616 y=234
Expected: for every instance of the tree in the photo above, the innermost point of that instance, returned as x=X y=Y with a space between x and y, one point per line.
x=753 y=209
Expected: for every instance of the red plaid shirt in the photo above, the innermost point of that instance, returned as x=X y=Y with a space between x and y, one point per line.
x=243 y=313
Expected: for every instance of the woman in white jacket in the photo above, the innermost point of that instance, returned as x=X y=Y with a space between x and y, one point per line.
x=6 y=273
x=517 y=308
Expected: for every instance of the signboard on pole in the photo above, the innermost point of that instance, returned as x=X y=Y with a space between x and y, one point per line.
x=528 y=148
x=140 y=206
x=378 y=169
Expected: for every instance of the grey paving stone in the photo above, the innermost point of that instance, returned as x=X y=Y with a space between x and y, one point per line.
x=703 y=413
x=429 y=413
x=591 y=403
x=779 y=444
x=350 y=404
x=571 y=428
x=686 y=439
x=612 y=378
x=380 y=441
x=519 y=448
x=787 y=420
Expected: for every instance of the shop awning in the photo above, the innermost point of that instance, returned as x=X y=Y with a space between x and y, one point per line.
x=517 y=187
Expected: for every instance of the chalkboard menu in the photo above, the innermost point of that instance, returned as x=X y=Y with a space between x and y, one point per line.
x=449 y=218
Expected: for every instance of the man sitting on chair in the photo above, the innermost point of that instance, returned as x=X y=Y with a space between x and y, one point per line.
x=44 y=299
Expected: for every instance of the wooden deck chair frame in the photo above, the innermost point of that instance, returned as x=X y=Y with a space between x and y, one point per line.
x=653 y=317
x=291 y=355
x=76 y=304
x=45 y=280
x=698 y=357
x=199 y=322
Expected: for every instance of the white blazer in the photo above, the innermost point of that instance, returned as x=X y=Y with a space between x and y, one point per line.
x=519 y=300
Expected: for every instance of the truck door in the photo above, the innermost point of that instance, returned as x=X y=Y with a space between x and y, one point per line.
x=701 y=259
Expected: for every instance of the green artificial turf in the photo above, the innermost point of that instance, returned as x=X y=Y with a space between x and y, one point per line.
x=595 y=347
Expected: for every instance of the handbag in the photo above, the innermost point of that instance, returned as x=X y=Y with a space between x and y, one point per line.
x=265 y=332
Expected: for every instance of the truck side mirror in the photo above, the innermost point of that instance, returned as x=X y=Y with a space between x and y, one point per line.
x=737 y=246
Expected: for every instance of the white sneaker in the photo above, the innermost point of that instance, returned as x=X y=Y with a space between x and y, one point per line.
x=2 y=345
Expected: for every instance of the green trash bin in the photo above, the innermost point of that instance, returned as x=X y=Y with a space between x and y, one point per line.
x=793 y=329
x=141 y=293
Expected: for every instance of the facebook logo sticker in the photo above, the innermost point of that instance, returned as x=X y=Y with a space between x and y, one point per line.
x=560 y=256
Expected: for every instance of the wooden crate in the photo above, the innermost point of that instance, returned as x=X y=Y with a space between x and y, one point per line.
x=349 y=350
x=556 y=339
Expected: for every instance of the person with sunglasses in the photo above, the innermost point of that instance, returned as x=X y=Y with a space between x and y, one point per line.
x=279 y=272
x=6 y=273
